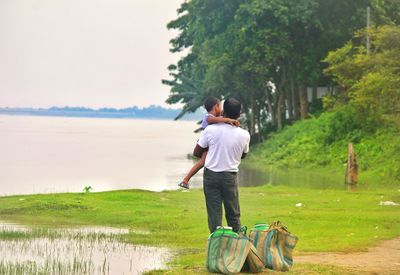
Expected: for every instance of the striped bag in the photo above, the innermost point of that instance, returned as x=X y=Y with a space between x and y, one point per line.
x=227 y=255
x=275 y=246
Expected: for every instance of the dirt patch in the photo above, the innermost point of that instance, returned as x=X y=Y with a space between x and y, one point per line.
x=383 y=259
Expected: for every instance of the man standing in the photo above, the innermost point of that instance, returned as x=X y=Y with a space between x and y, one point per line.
x=227 y=145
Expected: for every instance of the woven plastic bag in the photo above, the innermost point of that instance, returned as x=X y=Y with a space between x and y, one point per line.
x=275 y=246
x=228 y=254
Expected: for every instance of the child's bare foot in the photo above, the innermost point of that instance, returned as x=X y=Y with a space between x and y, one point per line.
x=184 y=185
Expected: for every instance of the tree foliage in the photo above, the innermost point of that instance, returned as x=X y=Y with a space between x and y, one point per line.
x=264 y=52
x=370 y=81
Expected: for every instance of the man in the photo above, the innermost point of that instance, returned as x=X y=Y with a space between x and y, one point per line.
x=227 y=145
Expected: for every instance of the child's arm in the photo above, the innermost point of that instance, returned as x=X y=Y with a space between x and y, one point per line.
x=218 y=119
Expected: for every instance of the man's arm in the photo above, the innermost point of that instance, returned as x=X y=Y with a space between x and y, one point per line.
x=198 y=151
x=247 y=147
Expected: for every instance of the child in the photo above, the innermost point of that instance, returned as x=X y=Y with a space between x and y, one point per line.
x=214 y=110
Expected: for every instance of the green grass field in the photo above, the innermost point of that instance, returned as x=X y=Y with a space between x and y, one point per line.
x=329 y=220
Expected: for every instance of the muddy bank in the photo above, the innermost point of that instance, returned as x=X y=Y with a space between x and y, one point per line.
x=382 y=259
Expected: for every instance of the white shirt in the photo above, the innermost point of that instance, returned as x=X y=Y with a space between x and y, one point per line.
x=226 y=144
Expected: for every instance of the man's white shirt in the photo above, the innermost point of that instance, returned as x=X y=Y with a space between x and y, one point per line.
x=226 y=145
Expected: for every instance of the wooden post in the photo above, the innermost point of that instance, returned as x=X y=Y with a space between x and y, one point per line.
x=352 y=167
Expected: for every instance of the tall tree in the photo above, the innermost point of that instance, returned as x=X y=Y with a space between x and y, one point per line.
x=265 y=52
x=371 y=82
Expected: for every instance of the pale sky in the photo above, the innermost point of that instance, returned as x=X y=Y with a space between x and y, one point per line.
x=93 y=53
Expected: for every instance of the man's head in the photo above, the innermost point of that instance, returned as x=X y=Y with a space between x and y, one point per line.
x=213 y=105
x=232 y=108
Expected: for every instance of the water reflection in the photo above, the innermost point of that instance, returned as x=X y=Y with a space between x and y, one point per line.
x=255 y=176
x=249 y=176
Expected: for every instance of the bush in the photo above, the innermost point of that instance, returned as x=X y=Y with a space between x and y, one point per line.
x=346 y=125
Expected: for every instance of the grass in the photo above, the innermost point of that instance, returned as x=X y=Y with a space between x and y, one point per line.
x=329 y=220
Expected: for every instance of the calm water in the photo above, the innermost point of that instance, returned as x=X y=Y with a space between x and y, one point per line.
x=62 y=154
x=59 y=154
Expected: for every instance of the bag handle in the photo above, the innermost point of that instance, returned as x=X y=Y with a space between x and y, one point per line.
x=278 y=225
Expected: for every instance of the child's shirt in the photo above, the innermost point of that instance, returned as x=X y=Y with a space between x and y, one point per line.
x=204 y=122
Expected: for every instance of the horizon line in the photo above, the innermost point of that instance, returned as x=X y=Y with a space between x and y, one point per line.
x=92 y=108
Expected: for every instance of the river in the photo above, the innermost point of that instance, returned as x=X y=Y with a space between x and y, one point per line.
x=42 y=154
x=63 y=154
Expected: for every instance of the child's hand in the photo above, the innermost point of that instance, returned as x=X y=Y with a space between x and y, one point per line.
x=234 y=122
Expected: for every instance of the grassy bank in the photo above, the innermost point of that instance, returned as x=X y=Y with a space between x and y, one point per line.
x=321 y=144
x=329 y=220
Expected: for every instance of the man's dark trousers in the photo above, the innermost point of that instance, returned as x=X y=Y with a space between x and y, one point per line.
x=222 y=187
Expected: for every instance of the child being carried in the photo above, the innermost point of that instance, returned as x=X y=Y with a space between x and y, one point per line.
x=214 y=111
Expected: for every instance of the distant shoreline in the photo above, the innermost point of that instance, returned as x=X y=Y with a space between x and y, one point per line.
x=81 y=116
x=152 y=113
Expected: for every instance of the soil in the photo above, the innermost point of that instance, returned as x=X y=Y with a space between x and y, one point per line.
x=382 y=259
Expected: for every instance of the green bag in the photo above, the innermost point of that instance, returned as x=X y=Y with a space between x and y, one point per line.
x=227 y=253
x=275 y=246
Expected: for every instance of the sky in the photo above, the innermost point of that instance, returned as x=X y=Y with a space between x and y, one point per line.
x=92 y=53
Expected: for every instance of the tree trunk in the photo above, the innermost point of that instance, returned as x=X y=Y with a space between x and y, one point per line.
x=271 y=110
x=296 y=101
x=314 y=94
x=260 y=137
x=280 y=110
x=289 y=99
x=252 y=117
x=248 y=119
x=303 y=102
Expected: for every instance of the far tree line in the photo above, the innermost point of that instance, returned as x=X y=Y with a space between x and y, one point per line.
x=266 y=53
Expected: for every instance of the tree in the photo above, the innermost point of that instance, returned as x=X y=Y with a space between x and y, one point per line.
x=370 y=82
x=264 y=52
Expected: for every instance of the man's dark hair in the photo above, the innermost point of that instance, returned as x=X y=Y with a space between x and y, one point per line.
x=232 y=108
x=210 y=103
